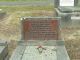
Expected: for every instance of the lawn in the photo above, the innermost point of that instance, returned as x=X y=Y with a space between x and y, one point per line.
x=27 y=8
x=23 y=0
x=72 y=41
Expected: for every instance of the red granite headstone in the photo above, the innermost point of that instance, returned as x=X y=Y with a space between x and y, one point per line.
x=41 y=30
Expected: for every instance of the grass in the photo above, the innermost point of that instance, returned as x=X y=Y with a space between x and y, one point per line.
x=23 y=0
x=27 y=8
x=72 y=42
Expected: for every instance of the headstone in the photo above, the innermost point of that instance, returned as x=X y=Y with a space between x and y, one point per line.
x=40 y=29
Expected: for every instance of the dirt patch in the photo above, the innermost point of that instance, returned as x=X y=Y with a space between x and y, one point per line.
x=72 y=42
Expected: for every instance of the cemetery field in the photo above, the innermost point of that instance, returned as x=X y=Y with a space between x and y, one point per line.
x=10 y=27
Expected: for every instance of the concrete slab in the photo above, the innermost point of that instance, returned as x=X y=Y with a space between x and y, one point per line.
x=3 y=49
x=18 y=53
x=32 y=53
x=62 y=53
x=3 y=42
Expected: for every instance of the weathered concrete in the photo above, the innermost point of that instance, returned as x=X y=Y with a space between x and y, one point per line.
x=3 y=49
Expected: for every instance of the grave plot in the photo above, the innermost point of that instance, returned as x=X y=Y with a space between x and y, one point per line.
x=40 y=40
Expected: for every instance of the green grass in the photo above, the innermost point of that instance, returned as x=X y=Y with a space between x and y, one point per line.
x=26 y=8
x=23 y=0
x=13 y=9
